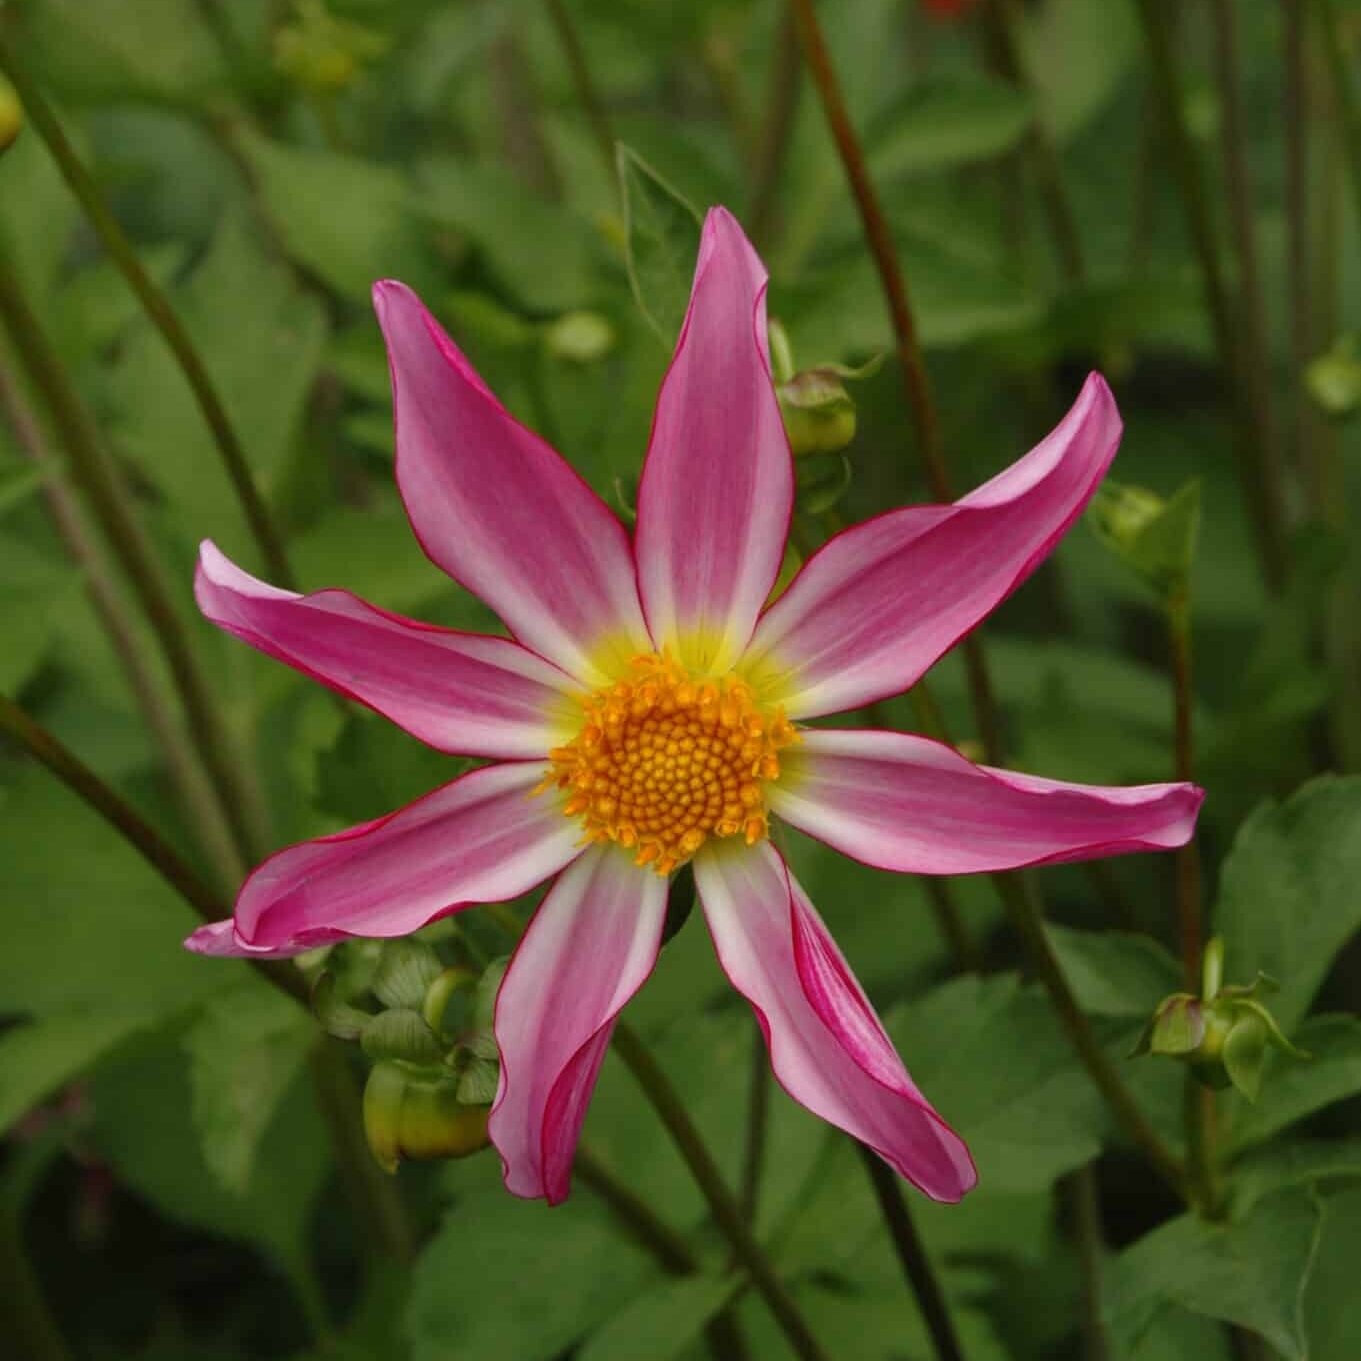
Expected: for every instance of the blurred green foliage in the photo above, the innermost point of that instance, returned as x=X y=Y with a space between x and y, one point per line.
x=185 y=1201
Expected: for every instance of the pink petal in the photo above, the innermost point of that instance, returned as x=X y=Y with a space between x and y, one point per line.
x=458 y=692
x=906 y=803
x=827 y=1046
x=483 y=838
x=718 y=483
x=497 y=509
x=879 y=603
x=591 y=945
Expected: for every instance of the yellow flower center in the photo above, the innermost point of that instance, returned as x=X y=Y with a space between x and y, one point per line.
x=665 y=760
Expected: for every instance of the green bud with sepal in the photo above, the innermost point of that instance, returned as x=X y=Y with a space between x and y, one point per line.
x=11 y=115
x=322 y=53
x=819 y=414
x=1154 y=537
x=1333 y=379
x=1223 y=1034
x=414 y=1111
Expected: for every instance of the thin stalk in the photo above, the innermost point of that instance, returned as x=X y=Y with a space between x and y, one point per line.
x=1086 y=1202
x=98 y=478
x=722 y=1205
x=656 y=1236
x=582 y=79
x=782 y=103
x=1343 y=92
x=136 y=831
x=25 y=1321
x=921 y=405
x=1000 y=31
x=115 y=614
x=912 y=1257
x=1255 y=354
x=517 y=107
x=1257 y=471
x=158 y=311
x=758 y=1113
x=1027 y=917
x=1198 y=1101
x=373 y=1194
x=1297 y=226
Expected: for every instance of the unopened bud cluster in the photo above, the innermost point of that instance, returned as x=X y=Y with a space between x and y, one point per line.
x=1223 y=1034
x=435 y=1064
x=321 y=53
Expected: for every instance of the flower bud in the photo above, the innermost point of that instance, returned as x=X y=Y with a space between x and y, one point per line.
x=819 y=416
x=323 y=54
x=1223 y=1034
x=1155 y=538
x=579 y=337
x=1333 y=380
x=11 y=115
x=414 y=1111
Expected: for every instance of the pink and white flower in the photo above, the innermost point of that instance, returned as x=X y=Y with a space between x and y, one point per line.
x=650 y=709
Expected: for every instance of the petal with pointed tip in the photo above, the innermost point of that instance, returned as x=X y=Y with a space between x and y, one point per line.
x=827 y=1046
x=591 y=945
x=879 y=603
x=718 y=485
x=907 y=803
x=458 y=692
x=483 y=838
x=495 y=507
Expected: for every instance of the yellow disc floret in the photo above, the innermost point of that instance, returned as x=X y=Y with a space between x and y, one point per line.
x=665 y=760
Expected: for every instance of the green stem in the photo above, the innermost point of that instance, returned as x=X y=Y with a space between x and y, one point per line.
x=921 y=404
x=97 y=476
x=1027 y=917
x=912 y=1257
x=1198 y=1101
x=658 y=1237
x=722 y=1205
x=758 y=1112
x=1086 y=1202
x=1251 y=311
x=1257 y=472
x=115 y=614
x=1297 y=225
x=782 y=103
x=585 y=84
x=136 y=831
x=1000 y=28
x=374 y=1195
x=25 y=1320
x=1343 y=92
x=158 y=311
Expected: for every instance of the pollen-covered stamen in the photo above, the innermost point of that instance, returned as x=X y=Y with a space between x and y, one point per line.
x=664 y=761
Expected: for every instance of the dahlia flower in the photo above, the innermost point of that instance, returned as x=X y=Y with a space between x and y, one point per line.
x=651 y=709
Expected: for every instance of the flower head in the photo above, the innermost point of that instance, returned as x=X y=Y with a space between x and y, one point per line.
x=650 y=711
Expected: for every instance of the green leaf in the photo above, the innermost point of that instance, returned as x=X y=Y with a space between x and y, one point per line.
x=661 y=243
x=1332 y=1303
x=664 y=1321
x=142 y=1125
x=1115 y=973
x=346 y=220
x=38 y=1057
x=1294 y=1088
x=1002 y=1073
x=237 y=292
x=507 y=1277
x=936 y=124
x=542 y=254
x=374 y=767
x=36 y=592
x=246 y=1049
x=1252 y=1273
x=1288 y=896
x=97 y=49
x=1275 y=1166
